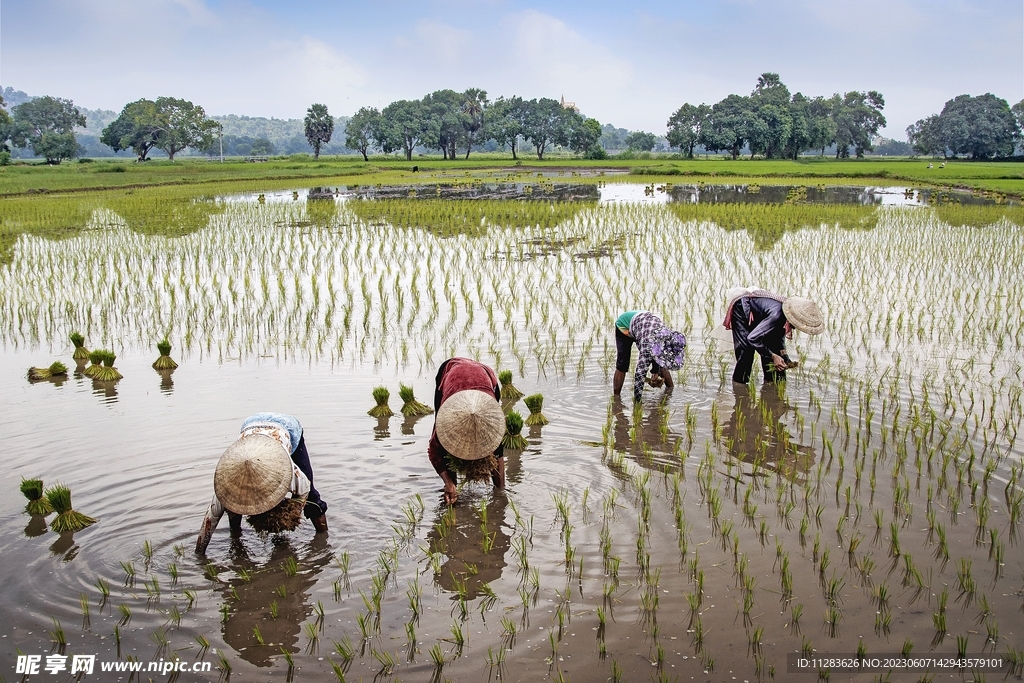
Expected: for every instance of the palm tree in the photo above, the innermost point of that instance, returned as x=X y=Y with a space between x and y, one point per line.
x=473 y=109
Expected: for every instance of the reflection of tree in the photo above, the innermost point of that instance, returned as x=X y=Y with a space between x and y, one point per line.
x=647 y=436
x=249 y=601
x=157 y=213
x=462 y=542
x=755 y=432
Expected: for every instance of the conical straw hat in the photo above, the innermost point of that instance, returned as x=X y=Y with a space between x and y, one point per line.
x=470 y=424
x=253 y=475
x=804 y=315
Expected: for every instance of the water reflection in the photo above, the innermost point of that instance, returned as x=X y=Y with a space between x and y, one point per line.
x=36 y=526
x=647 y=436
x=273 y=596
x=409 y=424
x=166 y=381
x=755 y=432
x=383 y=429
x=472 y=538
x=108 y=390
x=65 y=546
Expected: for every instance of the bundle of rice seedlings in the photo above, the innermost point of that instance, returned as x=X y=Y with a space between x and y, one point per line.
x=56 y=369
x=285 y=516
x=81 y=353
x=37 y=504
x=410 y=406
x=381 y=396
x=535 y=402
x=473 y=470
x=67 y=519
x=164 y=362
x=107 y=373
x=96 y=358
x=513 y=440
x=509 y=392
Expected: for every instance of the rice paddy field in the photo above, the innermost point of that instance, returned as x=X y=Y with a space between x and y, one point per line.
x=869 y=507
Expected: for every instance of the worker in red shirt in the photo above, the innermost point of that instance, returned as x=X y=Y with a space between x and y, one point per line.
x=469 y=424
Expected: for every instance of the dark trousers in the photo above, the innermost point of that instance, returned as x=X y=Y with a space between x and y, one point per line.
x=315 y=505
x=623 y=351
x=745 y=353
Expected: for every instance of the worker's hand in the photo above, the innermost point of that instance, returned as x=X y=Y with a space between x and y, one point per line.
x=655 y=381
x=451 y=494
x=320 y=523
x=780 y=363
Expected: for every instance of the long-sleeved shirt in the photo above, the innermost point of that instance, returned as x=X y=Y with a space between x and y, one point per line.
x=287 y=431
x=454 y=375
x=763 y=322
x=643 y=328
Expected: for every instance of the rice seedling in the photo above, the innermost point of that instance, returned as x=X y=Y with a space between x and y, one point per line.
x=381 y=396
x=410 y=406
x=509 y=392
x=37 y=503
x=55 y=369
x=164 y=362
x=513 y=439
x=535 y=402
x=832 y=617
x=67 y=519
x=105 y=372
x=81 y=354
x=126 y=614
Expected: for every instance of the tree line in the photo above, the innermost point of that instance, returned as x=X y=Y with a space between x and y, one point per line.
x=770 y=122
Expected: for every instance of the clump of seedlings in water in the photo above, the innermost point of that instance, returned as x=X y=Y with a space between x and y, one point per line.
x=410 y=406
x=513 y=439
x=381 y=396
x=81 y=353
x=105 y=372
x=56 y=369
x=509 y=391
x=38 y=504
x=164 y=362
x=67 y=519
x=535 y=402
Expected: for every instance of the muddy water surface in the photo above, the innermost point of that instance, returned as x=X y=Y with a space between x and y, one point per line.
x=701 y=536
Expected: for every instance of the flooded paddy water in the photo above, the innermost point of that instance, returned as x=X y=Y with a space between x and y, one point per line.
x=870 y=504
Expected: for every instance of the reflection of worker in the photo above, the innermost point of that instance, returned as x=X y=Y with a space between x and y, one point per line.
x=469 y=423
x=661 y=350
x=761 y=322
x=257 y=600
x=463 y=546
x=756 y=425
x=255 y=474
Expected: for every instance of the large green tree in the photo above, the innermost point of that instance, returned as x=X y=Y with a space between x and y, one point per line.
x=858 y=118
x=727 y=128
x=46 y=125
x=318 y=127
x=505 y=122
x=584 y=136
x=443 y=122
x=169 y=124
x=403 y=126
x=685 y=125
x=5 y=127
x=641 y=141
x=360 y=132
x=183 y=125
x=770 y=122
x=546 y=123
x=982 y=127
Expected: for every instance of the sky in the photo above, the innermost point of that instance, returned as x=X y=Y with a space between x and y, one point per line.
x=631 y=64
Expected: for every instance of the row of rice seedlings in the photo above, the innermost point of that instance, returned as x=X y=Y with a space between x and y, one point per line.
x=473 y=297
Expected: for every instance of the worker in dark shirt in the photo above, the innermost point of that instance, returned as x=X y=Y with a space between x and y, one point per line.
x=469 y=424
x=761 y=322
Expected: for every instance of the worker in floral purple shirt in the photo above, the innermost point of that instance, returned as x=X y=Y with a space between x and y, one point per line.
x=661 y=350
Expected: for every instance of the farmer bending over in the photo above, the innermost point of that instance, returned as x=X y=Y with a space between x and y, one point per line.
x=469 y=425
x=266 y=473
x=761 y=322
x=661 y=350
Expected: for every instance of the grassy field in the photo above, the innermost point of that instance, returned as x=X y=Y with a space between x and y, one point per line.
x=32 y=178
